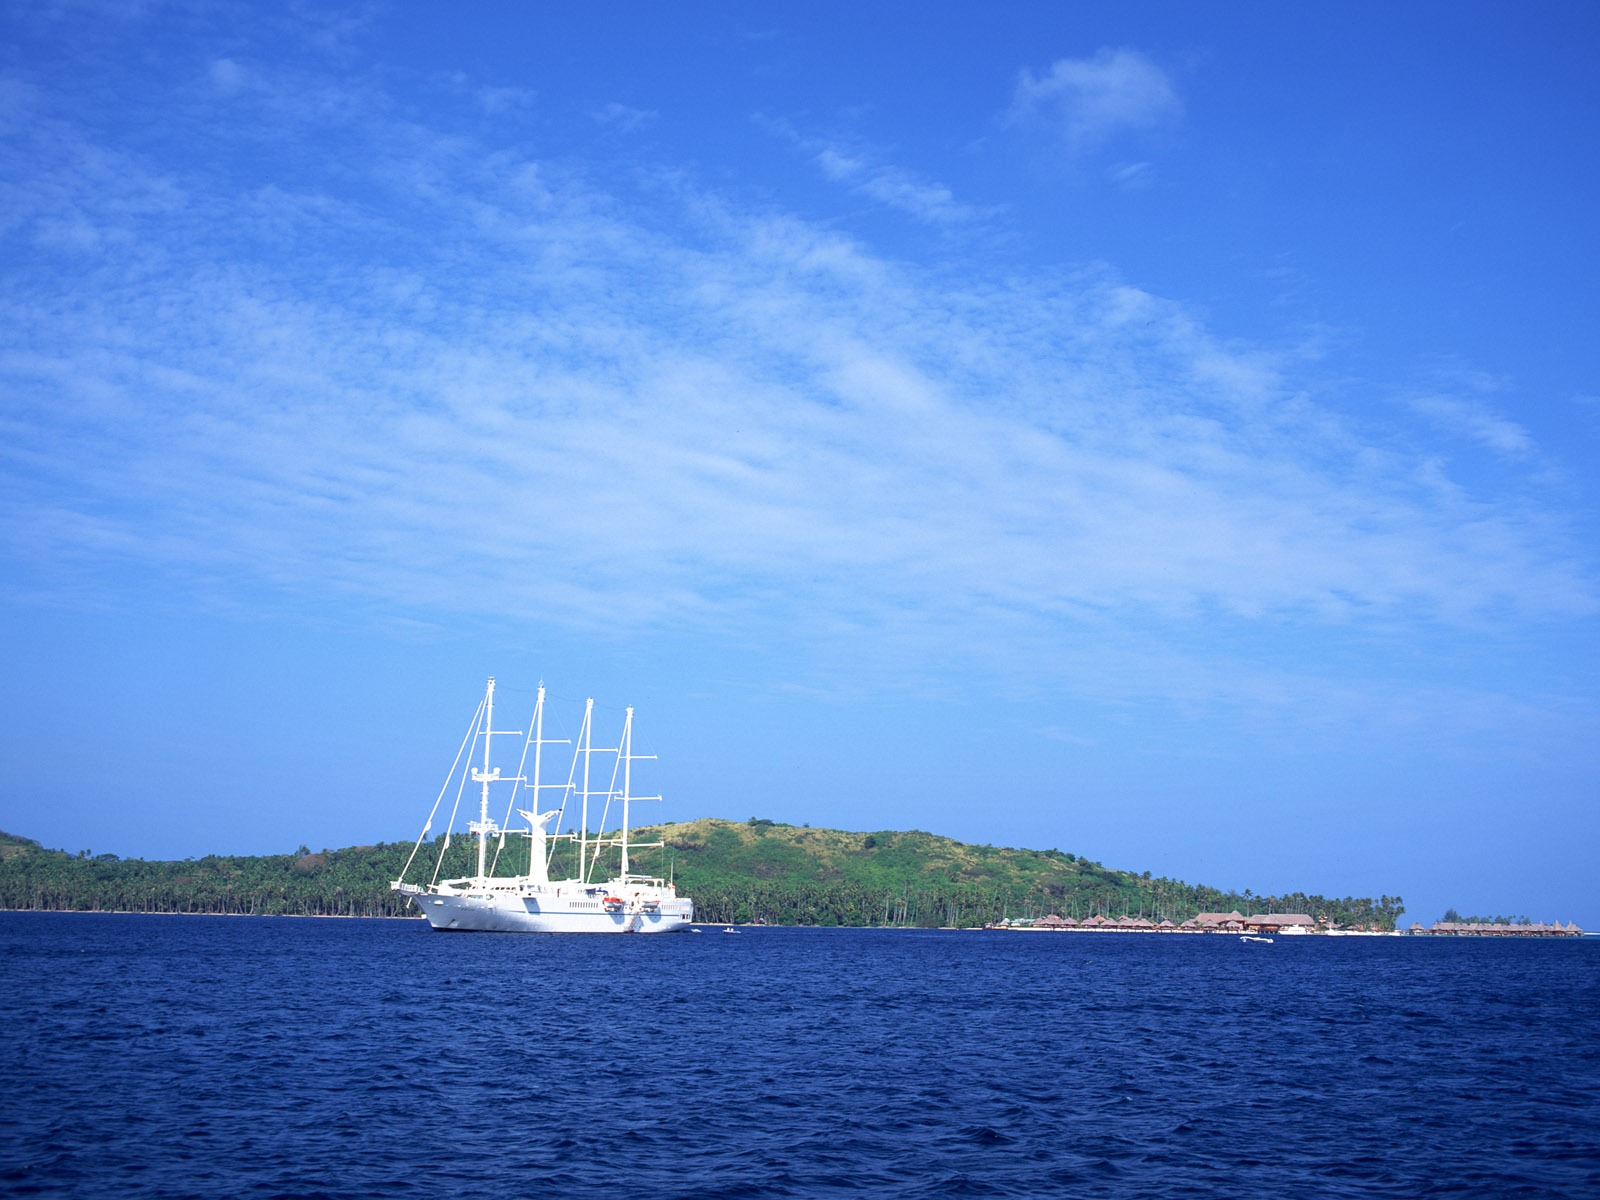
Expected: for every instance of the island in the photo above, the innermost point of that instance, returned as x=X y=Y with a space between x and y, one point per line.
x=738 y=872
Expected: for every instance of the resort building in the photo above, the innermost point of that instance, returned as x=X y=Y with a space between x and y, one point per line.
x=1484 y=929
x=1269 y=924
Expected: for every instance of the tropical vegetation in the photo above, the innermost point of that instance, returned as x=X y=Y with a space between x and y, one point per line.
x=1452 y=917
x=755 y=870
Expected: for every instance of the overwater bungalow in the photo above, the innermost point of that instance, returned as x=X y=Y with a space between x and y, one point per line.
x=1269 y=924
x=1487 y=929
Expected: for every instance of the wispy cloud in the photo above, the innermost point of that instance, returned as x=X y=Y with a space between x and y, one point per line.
x=228 y=76
x=1474 y=420
x=1090 y=101
x=623 y=118
x=498 y=101
x=1132 y=175
x=538 y=399
x=863 y=172
x=894 y=188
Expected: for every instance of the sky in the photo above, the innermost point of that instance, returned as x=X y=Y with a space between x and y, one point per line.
x=1165 y=433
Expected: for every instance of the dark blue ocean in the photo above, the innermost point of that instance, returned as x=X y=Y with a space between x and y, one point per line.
x=145 y=1056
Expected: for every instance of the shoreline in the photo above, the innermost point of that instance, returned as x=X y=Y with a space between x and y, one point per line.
x=1419 y=934
x=140 y=912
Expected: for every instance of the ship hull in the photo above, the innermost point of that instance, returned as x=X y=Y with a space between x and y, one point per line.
x=513 y=913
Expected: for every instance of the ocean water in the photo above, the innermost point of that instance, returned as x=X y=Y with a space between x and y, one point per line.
x=146 y=1056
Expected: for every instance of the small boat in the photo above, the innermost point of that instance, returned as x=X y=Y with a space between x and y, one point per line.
x=730 y=929
x=1248 y=937
x=532 y=902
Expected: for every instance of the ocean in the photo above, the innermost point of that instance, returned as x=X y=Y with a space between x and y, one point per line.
x=166 y=1056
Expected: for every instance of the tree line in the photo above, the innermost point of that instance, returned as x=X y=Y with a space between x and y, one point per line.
x=734 y=873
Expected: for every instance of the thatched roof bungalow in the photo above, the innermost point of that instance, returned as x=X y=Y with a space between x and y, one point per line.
x=1227 y=922
x=1487 y=929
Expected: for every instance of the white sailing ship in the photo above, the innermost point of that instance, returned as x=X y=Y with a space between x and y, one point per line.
x=533 y=902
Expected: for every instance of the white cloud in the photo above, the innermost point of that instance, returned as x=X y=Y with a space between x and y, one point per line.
x=893 y=187
x=1132 y=175
x=536 y=399
x=859 y=169
x=623 y=118
x=497 y=101
x=1089 y=101
x=1477 y=422
x=228 y=76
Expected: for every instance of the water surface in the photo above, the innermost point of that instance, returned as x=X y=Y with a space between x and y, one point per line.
x=146 y=1056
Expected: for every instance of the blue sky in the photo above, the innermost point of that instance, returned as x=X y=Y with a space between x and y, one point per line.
x=1162 y=432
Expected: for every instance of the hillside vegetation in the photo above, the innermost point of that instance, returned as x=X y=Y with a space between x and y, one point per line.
x=754 y=870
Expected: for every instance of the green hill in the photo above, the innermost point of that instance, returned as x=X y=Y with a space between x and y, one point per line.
x=735 y=871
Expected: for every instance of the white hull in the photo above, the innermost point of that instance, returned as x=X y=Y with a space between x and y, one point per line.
x=553 y=908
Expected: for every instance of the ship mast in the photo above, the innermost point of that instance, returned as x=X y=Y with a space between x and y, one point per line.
x=538 y=745
x=628 y=757
x=538 y=822
x=585 y=737
x=483 y=827
x=627 y=772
